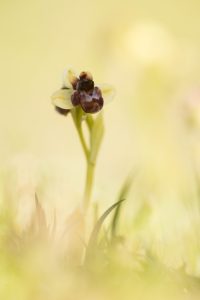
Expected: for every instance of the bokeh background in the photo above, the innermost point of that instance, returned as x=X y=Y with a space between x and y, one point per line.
x=148 y=50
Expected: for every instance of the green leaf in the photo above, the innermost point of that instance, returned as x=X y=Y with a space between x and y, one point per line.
x=89 y=121
x=122 y=195
x=94 y=235
x=96 y=136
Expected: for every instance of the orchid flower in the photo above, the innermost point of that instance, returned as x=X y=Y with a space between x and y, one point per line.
x=81 y=91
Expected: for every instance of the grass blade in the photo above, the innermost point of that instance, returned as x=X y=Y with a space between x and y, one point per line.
x=94 y=235
x=122 y=195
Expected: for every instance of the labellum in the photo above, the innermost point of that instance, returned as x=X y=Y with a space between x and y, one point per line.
x=92 y=102
x=86 y=94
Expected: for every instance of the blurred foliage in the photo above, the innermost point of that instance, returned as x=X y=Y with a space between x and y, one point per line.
x=149 y=50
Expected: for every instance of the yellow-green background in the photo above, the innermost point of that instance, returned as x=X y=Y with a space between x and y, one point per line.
x=148 y=50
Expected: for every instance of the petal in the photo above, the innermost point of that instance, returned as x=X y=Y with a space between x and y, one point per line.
x=69 y=78
x=108 y=92
x=62 y=98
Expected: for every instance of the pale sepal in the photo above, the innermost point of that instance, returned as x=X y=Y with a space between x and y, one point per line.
x=62 y=98
x=108 y=92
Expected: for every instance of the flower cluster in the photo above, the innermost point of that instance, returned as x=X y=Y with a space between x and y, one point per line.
x=81 y=91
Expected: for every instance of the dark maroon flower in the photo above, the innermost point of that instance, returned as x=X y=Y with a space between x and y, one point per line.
x=85 y=83
x=82 y=92
x=75 y=98
x=92 y=102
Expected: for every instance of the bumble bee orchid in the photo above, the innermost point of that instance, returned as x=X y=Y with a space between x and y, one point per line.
x=81 y=91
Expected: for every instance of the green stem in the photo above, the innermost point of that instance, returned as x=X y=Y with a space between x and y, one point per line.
x=90 y=172
x=90 y=166
x=83 y=143
x=88 y=185
x=78 y=126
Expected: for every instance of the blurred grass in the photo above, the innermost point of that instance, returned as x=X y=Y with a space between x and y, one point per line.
x=149 y=50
